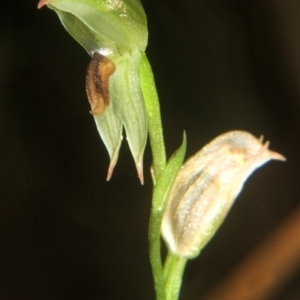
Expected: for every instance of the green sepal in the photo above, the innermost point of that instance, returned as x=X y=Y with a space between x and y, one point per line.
x=127 y=95
x=110 y=127
x=115 y=28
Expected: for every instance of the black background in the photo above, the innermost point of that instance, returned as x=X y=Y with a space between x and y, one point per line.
x=68 y=234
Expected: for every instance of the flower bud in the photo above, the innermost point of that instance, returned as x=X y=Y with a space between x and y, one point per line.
x=206 y=187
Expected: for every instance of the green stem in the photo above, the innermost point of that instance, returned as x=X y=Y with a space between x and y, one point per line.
x=167 y=265
x=153 y=116
x=155 y=254
x=159 y=163
x=159 y=202
x=163 y=175
x=173 y=272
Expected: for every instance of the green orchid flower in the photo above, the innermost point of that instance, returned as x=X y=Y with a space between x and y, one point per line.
x=114 y=33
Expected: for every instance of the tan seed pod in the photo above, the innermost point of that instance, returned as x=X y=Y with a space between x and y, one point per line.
x=98 y=74
x=206 y=187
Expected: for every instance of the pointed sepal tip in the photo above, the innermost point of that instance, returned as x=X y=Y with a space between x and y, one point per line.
x=42 y=3
x=139 y=168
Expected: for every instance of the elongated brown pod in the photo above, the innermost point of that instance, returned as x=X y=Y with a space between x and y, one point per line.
x=98 y=74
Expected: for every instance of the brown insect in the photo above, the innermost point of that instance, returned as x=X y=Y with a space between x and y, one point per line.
x=98 y=74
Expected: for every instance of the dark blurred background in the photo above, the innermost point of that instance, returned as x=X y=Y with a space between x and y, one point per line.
x=68 y=234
